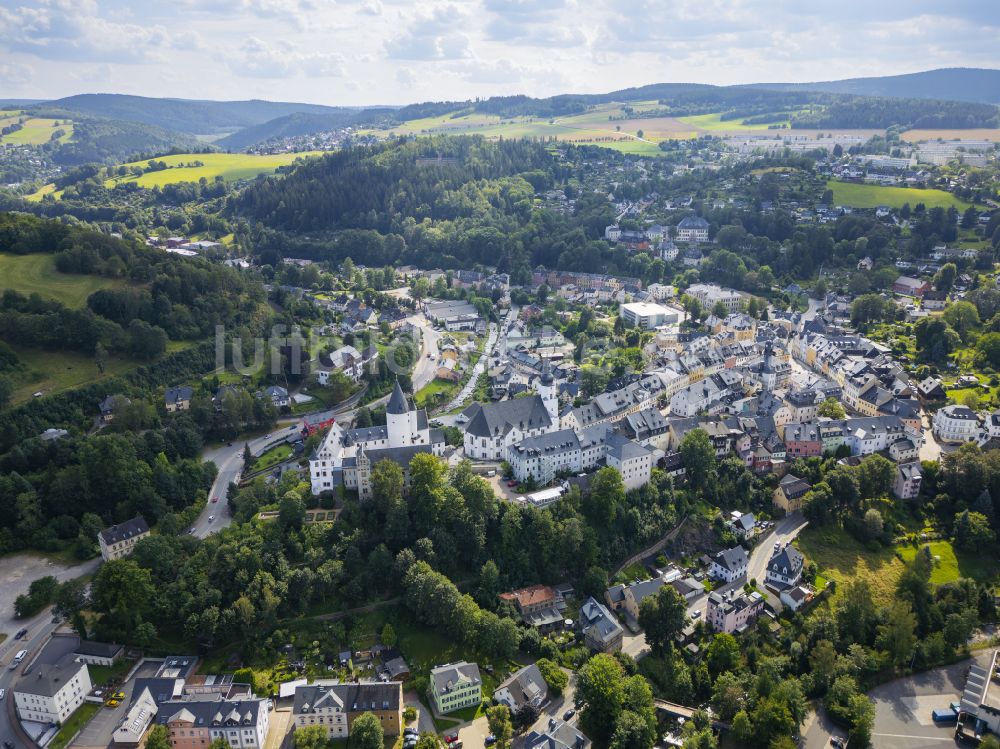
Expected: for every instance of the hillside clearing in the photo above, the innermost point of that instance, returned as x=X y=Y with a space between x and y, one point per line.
x=872 y=196
x=31 y=274
x=950 y=565
x=38 y=130
x=841 y=558
x=229 y=166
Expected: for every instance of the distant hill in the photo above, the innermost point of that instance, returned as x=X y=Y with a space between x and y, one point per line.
x=299 y=123
x=980 y=85
x=197 y=117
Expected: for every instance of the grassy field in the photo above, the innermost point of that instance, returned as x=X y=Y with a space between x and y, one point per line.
x=38 y=130
x=229 y=166
x=949 y=564
x=426 y=397
x=714 y=123
x=871 y=196
x=272 y=457
x=840 y=558
x=55 y=371
x=37 y=274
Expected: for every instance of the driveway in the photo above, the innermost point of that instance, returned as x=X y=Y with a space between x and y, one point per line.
x=279 y=734
x=425 y=723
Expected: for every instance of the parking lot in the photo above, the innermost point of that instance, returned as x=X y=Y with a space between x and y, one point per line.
x=903 y=707
x=98 y=732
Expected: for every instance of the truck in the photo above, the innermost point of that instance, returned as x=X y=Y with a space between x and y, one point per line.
x=945 y=715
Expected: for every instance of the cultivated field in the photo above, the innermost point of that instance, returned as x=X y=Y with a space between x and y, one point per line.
x=31 y=274
x=606 y=125
x=871 y=196
x=229 y=166
x=36 y=131
x=915 y=136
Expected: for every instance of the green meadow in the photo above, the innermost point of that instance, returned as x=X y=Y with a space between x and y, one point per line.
x=872 y=196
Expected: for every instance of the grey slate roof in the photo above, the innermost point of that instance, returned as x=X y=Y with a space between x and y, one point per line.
x=47 y=679
x=447 y=677
x=598 y=622
x=178 y=394
x=731 y=559
x=122 y=531
x=497 y=419
x=213 y=712
x=397 y=402
x=787 y=561
x=348 y=697
x=558 y=735
x=525 y=685
x=99 y=649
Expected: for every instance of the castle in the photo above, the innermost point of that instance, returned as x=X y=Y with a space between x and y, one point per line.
x=346 y=456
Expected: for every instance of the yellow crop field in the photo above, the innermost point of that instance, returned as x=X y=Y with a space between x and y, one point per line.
x=230 y=166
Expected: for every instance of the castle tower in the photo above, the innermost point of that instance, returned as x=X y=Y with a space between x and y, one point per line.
x=548 y=392
x=401 y=422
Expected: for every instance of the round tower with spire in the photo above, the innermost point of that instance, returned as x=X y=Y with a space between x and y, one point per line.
x=549 y=393
x=401 y=421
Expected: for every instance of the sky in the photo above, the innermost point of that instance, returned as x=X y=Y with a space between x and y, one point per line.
x=362 y=52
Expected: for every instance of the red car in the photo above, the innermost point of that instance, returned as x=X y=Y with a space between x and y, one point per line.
x=512 y=483
x=215 y=499
x=451 y=738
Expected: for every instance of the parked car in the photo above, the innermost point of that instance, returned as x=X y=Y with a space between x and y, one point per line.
x=20 y=633
x=569 y=714
x=215 y=499
x=451 y=738
x=512 y=483
x=837 y=743
x=696 y=613
x=411 y=732
x=491 y=740
x=3 y=693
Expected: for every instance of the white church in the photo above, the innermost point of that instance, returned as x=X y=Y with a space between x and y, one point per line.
x=347 y=456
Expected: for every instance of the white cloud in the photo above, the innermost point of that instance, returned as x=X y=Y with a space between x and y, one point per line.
x=261 y=59
x=432 y=35
x=69 y=30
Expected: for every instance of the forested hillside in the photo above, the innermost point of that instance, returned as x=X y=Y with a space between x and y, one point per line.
x=449 y=201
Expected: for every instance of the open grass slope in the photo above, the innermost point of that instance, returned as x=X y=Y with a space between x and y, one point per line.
x=229 y=166
x=951 y=564
x=32 y=274
x=871 y=196
x=55 y=371
x=841 y=558
x=36 y=131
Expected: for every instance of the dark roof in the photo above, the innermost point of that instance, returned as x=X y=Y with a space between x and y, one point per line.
x=100 y=649
x=786 y=561
x=213 y=712
x=130 y=528
x=177 y=394
x=397 y=402
x=47 y=679
x=731 y=559
x=495 y=419
x=693 y=222
x=350 y=697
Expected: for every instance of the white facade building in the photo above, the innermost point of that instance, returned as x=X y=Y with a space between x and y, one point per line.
x=53 y=692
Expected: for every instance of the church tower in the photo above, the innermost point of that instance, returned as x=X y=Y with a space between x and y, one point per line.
x=401 y=422
x=548 y=392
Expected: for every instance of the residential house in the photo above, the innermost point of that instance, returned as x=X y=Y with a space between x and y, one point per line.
x=784 y=568
x=54 y=691
x=540 y=606
x=601 y=631
x=335 y=706
x=523 y=687
x=178 y=398
x=743 y=525
x=906 y=482
x=132 y=729
x=788 y=496
x=278 y=396
x=629 y=598
x=956 y=424
x=733 y=611
x=119 y=540
x=194 y=724
x=931 y=389
x=454 y=686
x=909 y=286
x=557 y=734
x=692 y=229
x=796 y=596
x=107 y=407
x=99 y=653
x=729 y=564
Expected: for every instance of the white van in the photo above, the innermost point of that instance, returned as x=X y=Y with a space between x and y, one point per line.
x=17 y=659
